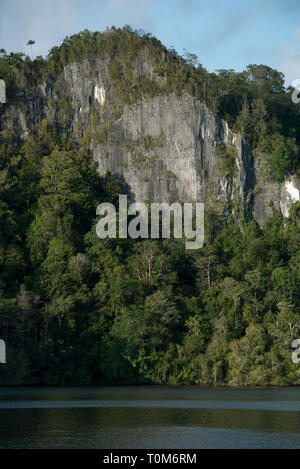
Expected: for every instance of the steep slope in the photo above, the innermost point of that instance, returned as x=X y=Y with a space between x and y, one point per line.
x=79 y=310
x=145 y=127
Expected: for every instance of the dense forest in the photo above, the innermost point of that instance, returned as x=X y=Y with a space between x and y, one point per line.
x=77 y=310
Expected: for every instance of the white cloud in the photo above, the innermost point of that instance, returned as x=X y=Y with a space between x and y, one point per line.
x=49 y=22
x=289 y=62
x=296 y=34
x=288 y=59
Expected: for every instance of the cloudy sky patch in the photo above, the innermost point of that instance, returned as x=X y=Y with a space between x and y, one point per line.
x=224 y=34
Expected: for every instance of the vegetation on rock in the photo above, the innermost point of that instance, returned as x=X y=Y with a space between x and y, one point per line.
x=78 y=310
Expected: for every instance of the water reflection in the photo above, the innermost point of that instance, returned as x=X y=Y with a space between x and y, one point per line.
x=150 y=417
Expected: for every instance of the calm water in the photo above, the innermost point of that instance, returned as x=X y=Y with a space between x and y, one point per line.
x=149 y=417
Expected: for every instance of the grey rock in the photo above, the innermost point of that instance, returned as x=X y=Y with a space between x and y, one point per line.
x=165 y=148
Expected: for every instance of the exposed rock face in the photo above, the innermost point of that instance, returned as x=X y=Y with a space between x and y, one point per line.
x=281 y=196
x=290 y=193
x=166 y=148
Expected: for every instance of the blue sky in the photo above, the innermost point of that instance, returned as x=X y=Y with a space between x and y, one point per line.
x=222 y=33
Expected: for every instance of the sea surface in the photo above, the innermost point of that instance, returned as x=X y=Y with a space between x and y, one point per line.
x=156 y=417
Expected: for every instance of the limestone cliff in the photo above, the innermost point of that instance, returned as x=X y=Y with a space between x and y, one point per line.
x=166 y=147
